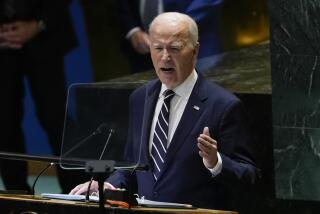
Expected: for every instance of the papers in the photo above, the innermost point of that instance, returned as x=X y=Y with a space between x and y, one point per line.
x=159 y=204
x=70 y=197
x=141 y=201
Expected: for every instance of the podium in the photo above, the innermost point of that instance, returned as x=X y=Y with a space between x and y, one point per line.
x=15 y=204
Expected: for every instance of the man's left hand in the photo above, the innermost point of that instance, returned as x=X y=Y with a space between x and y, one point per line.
x=208 y=149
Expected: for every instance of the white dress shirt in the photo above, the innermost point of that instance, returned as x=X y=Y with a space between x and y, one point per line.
x=177 y=106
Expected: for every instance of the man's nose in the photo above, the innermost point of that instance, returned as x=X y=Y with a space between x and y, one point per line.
x=165 y=55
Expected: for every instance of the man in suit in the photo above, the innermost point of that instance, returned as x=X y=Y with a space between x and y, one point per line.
x=34 y=37
x=135 y=22
x=203 y=147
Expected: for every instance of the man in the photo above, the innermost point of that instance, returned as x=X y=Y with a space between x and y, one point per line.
x=202 y=149
x=34 y=37
x=136 y=15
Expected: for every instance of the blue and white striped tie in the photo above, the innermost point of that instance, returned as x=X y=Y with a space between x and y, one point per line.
x=160 y=137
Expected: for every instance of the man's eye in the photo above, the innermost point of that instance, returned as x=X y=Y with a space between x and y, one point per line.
x=175 y=49
x=158 y=48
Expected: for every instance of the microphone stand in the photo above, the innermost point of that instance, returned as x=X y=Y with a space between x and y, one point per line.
x=35 y=180
x=101 y=169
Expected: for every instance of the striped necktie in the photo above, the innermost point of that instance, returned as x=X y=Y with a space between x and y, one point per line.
x=160 y=137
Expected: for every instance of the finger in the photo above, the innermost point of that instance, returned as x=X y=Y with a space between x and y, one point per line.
x=203 y=141
x=207 y=139
x=82 y=190
x=109 y=186
x=74 y=190
x=207 y=149
x=79 y=189
x=206 y=146
x=203 y=154
x=206 y=131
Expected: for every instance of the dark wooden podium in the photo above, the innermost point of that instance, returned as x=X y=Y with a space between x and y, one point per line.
x=27 y=204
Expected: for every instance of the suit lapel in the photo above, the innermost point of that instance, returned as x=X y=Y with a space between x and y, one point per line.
x=191 y=114
x=152 y=94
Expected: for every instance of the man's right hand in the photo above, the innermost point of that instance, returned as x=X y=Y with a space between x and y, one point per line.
x=140 y=42
x=81 y=189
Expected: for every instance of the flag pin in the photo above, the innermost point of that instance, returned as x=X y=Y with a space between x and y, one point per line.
x=196 y=108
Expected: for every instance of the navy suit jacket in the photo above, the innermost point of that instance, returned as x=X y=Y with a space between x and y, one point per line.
x=184 y=178
x=204 y=12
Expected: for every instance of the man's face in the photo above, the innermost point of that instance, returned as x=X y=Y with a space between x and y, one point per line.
x=172 y=53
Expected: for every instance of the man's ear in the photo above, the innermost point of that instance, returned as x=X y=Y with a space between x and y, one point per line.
x=196 y=50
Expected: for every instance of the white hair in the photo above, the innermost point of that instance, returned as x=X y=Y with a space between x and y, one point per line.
x=179 y=17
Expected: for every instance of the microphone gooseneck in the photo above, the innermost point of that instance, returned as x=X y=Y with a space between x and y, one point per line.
x=38 y=176
x=101 y=129
x=111 y=132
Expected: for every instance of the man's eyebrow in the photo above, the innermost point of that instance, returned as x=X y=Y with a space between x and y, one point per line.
x=156 y=44
x=177 y=44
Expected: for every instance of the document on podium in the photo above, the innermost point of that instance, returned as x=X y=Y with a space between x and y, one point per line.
x=141 y=201
x=70 y=197
x=159 y=204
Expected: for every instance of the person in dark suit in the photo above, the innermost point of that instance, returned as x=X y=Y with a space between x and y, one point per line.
x=34 y=37
x=135 y=28
x=202 y=148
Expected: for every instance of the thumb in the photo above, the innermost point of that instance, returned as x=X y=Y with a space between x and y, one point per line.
x=206 y=131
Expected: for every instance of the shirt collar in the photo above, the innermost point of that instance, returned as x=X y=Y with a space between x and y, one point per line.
x=184 y=89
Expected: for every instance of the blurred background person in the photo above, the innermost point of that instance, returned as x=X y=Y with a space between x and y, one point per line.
x=136 y=15
x=34 y=37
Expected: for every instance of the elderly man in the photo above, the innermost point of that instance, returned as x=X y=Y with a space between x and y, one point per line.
x=193 y=132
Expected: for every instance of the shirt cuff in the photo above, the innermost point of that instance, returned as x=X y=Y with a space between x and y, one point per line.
x=132 y=31
x=218 y=167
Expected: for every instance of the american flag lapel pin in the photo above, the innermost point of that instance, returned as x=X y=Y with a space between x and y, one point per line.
x=196 y=107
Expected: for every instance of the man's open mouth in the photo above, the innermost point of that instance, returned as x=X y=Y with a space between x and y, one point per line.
x=167 y=69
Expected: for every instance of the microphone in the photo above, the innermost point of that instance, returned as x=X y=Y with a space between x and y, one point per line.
x=35 y=180
x=111 y=132
x=101 y=129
